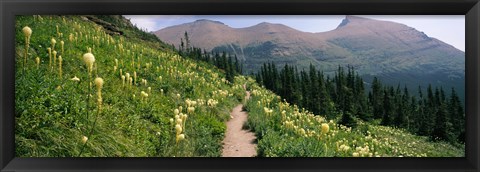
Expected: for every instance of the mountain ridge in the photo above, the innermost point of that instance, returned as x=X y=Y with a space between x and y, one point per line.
x=384 y=49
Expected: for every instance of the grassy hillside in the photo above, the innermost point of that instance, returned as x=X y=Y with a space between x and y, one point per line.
x=284 y=130
x=55 y=114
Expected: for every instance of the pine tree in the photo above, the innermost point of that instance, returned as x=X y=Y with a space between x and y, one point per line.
x=313 y=104
x=348 y=120
x=326 y=105
x=187 y=43
x=442 y=127
x=402 y=103
x=377 y=98
x=387 y=106
x=362 y=104
x=304 y=86
x=457 y=117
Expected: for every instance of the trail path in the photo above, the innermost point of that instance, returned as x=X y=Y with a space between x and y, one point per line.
x=239 y=142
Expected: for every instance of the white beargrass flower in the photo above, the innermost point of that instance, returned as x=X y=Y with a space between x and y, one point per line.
x=61 y=44
x=135 y=77
x=60 y=66
x=178 y=129
x=84 y=139
x=37 y=60
x=181 y=137
x=179 y=121
x=190 y=110
x=54 y=58
x=75 y=78
x=27 y=31
x=49 y=56
x=89 y=59
x=325 y=128
x=53 y=42
x=99 y=83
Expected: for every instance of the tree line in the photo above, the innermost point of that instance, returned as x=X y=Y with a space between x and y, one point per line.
x=344 y=96
x=225 y=61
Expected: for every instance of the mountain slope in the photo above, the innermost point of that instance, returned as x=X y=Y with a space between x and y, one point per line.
x=59 y=115
x=393 y=52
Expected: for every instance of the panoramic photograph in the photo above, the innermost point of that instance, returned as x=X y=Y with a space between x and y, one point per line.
x=240 y=86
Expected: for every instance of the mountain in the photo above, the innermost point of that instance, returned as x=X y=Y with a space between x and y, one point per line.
x=393 y=52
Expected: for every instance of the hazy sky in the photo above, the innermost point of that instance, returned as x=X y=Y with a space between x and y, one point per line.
x=449 y=29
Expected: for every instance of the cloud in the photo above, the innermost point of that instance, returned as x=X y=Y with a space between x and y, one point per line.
x=156 y=22
x=144 y=22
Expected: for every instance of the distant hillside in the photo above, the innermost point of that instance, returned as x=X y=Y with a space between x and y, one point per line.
x=395 y=53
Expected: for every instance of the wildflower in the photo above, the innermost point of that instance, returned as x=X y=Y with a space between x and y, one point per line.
x=184 y=117
x=176 y=111
x=99 y=84
x=75 y=78
x=181 y=137
x=178 y=129
x=123 y=80
x=71 y=37
x=60 y=66
x=179 y=121
x=54 y=57
x=325 y=128
x=171 y=120
x=191 y=109
x=53 y=42
x=355 y=154
x=37 y=60
x=61 y=44
x=27 y=32
x=135 y=77
x=84 y=139
x=89 y=59
x=149 y=89
x=49 y=56
x=144 y=95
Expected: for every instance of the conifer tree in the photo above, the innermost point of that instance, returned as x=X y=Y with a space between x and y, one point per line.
x=377 y=98
x=387 y=106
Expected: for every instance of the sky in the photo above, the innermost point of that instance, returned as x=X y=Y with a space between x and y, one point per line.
x=449 y=29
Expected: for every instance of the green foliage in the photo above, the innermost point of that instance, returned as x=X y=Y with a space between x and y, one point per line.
x=284 y=130
x=53 y=113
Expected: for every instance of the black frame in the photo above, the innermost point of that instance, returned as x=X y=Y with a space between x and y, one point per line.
x=10 y=8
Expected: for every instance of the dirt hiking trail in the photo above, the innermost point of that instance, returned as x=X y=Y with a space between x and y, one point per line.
x=239 y=142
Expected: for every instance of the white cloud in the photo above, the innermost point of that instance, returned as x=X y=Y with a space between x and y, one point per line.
x=144 y=22
x=155 y=22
